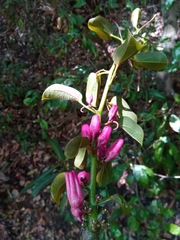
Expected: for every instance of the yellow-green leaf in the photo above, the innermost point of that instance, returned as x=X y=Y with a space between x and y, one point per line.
x=62 y=92
x=72 y=148
x=123 y=108
x=126 y=50
x=103 y=177
x=101 y=26
x=135 y=17
x=93 y=87
x=132 y=128
x=80 y=160
x=57 y=187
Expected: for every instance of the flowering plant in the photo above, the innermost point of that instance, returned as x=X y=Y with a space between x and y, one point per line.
x=94 y=150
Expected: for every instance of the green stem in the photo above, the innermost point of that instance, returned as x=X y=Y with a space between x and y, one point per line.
x=92 y=195
x=109 y=81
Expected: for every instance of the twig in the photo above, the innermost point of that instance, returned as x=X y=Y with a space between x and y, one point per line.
x=165 y=176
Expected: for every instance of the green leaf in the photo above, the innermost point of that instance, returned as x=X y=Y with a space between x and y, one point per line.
x=62 y=92
x=168 y=3
x=79 y=3
x=101 y=26
x=132 y=128
x=141 y=173
x=126 y=50
x=133 y=224
x=174 y=122
x=135 y=17
x=174 y=229
x=177 y=97
x=43 y=124
x=103 y=177
x=57 y=187
x=80 y=160
x=93 y=87
x=72 y=148
x=151 y=60
x=123 y=108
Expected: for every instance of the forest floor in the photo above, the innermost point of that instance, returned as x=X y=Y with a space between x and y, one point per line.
x=21 y=161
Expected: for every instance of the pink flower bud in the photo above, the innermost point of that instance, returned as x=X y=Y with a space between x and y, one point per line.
x=95 y=125
x=83 y=178
x=101 y=152
x=89 y=99
x=104 y=136
x=85 y=131
x=74 y=194
x=112 y=114
x=113 y=151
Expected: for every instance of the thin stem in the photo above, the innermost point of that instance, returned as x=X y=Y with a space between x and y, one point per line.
x=109 y=81
x=138 y=30
x=92 y=197
x=118 y=38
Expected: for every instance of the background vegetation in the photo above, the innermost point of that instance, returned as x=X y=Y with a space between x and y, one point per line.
x=48 y=42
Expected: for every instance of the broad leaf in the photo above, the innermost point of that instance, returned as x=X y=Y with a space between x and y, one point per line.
x=57 y=187
x=151 y=60
x=123 y=108
x=174 y=122
x=135 y=17
x=93 y=87
x=104 y=175
x=132 y=128
x=174 y=229
x=126 y=50
x=141 y=173
x=101 y=27
x=72 y=148
x=80 y=160
x=62 y=92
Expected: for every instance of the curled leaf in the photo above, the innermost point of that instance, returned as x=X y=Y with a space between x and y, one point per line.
x=62 y=92
x=135 y=17
x=101 y=27
x=80 y=160
x=93 y=88
x=57 y=187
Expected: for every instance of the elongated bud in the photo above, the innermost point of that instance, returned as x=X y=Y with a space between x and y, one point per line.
x=95 y=125
x=112 y=114
x=101 y=152
x=85 y=131
x=104 y=136
x=113 y=151
x=89 y=99
x=74 y=194
x=83 y=178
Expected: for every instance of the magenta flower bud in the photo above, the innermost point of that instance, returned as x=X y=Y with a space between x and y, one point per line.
x=104 y=136
x=112 y=114
x=101 y=152
x=95 y=125
x=85 y=131
x=113 y=151
x=89 y=99
x=74 y=194
x=83 y=178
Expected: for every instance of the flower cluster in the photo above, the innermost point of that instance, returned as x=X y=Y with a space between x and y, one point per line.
x=74 y=191
x=94 y=133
